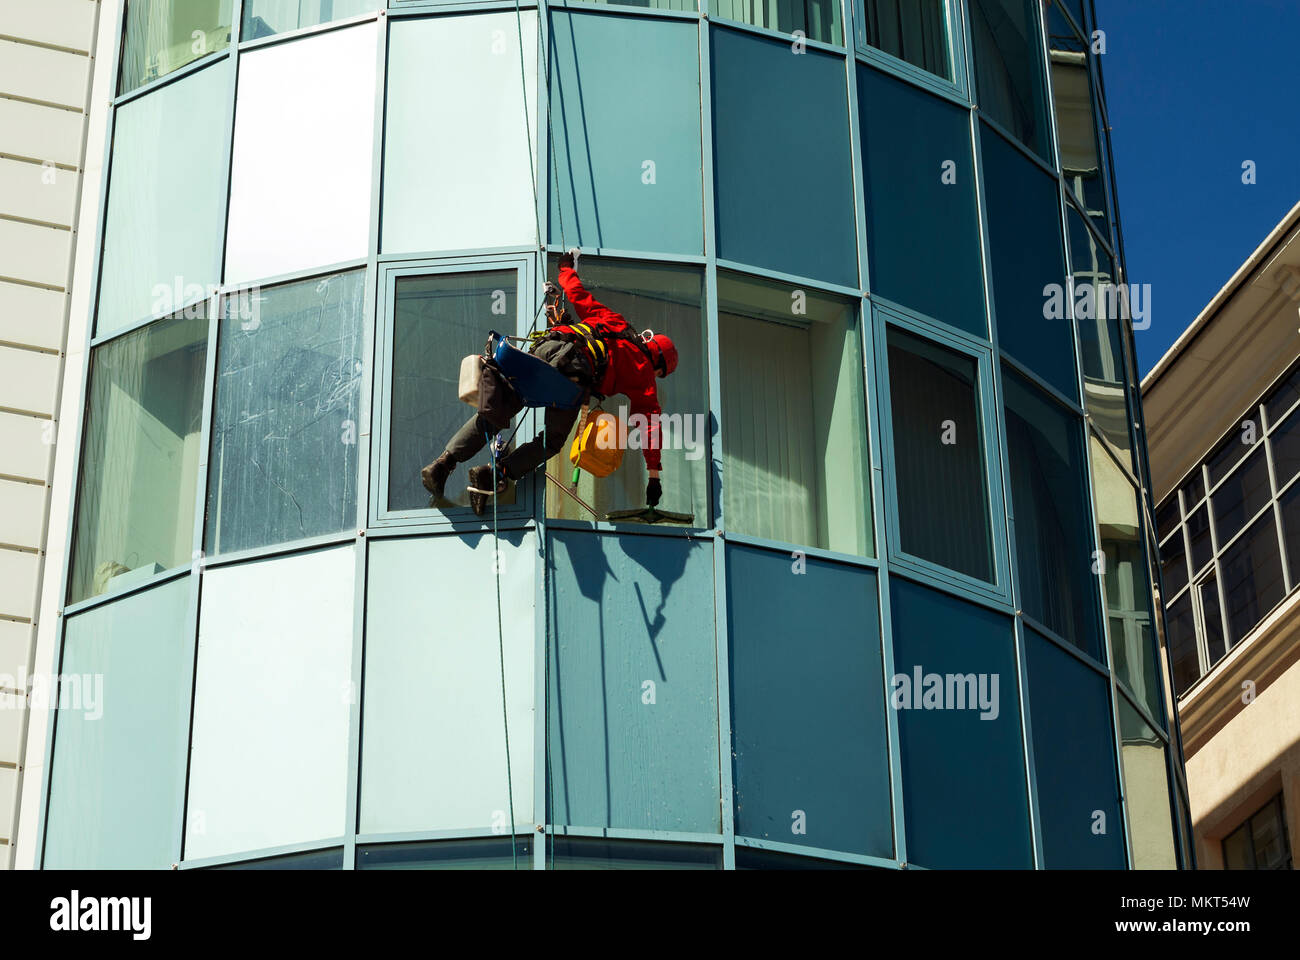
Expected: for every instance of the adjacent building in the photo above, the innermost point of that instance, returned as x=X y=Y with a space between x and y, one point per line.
x=910 y=619
x=1224 y=437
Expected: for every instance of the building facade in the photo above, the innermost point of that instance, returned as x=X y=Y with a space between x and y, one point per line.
x=45 y=73
x=1221 y=411
x=909 y=620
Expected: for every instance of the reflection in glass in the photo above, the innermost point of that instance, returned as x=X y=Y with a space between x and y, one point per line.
x=1008 y=74
x=1146 y=788
x=1216 y=644
x=1180 y=628
x=793 y=416
x=165 y=35
x=589 y=853
x=1198 y=532
x=1128 y=595
x=1173 y=564
x=1076 y=129
x=1285 y=441
x=139 y=465
x=1054 y=547
x=668 y=300
x=1240 y=497
x=478 y=853
x=1290 y=504
x=818 y=19
x=284 y=431
x=265 y=18
x=1252 y=577
x=912 y=30
x=939 y=466
x=438 y=320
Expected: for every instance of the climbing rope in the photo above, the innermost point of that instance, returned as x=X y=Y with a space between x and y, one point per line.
x=501 y=651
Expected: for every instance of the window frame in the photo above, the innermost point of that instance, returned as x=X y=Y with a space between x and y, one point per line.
x=380 y=513
x=1278 y=803
x=954 y=582
x=956 y=24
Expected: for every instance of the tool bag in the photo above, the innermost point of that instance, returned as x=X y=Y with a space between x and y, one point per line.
x=595 y=448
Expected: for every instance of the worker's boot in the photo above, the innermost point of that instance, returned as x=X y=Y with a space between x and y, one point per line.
x=480 y=487
x=434 y=476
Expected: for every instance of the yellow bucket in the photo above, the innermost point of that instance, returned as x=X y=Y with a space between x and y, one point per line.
x=595 y=448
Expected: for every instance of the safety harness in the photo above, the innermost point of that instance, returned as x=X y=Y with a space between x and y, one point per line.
x=593 y=341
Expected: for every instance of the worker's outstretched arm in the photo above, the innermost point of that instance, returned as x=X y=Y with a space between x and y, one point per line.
x=588 y=308
x=647 y=404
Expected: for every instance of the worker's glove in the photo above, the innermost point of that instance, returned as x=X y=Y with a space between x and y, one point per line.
x=566 y=260
x=552 y=290
x=654 y=491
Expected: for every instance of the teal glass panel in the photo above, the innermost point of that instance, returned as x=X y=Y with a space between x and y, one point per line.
x=284 y=432
x=166 y=214
x=478 y=853
x=140 y=457
x=1009 y=79
x=588 y=853
x=625 y=132
x=911 y=30
x=939 y=468
x=118 y=778
x=794 y=417
x=813 y=19
x=433 y=738
x=922 y=219
x=1049 y=499
x=1076 y=127
x=963 y=766
x=165 y=35
x=437 y=320
x=265 y=18
x=1080 y=818
x=633 y=683
x=751 y=858
x=1028 y=264
x=685 y=6
x=784 y=196
x=808 y=726
x=1146 y=789
x=312 y=860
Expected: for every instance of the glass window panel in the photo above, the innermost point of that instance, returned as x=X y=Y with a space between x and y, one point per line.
x=1198 y=532
x=140 y=459
x=1050 y=505
x=817 y=19
x=1074 y=759
x=1173 y=564
x=1008 y=69
x=1284 y=396
x=1180 y=627
x=793 y=416
x=1252 y=577
x=437 y=320
x=165 y=35
x=1101 y=346
x=1268 y=834
x=1212 y=614
x=480 y=194
x=162 y=232
x=1028 y=264
x=912 y=30
x=265 y=18
x=809 y=731
x=1290 y=504
x=1194 y=488
x=670 y=300
x=276 y=637
x=1146 y=787
x=1167 y=517
x=284 y=431
x=939 y=465
x=1128 y=595
x=603 y=194
x=1234 y=447
x=479 y=853
x=749 y=858
x=1076 y=128
x=313 y=99
x=963 y=770
x=1286 y=450
x=313 y=860
x=588 y=853
x=1238 y=854
x=754 y=79
x=1240 y=497
x=921 y=222
x=119 y=761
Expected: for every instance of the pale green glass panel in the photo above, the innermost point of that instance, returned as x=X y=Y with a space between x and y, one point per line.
x=265 y=18
x=165 y=35
x=1146 y=788
x=815 y=19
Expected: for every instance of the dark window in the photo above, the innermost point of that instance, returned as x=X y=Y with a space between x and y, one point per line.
x=912 y=30
x=479 y=853
x=1194 y=488
x=1240 y=497
x=1198 y=532
x=1008 y=68
x=1180 y=625
x=1216 y=643
x=1284 y=396
x=1286 y=450
x=1252 y=577
x=1054 y=544
x=1167 y=517
x=1173 y=564
x=943 y=504
x=1261 y=842
x=585 y=853
x=1232 y=449
x=1290 y=503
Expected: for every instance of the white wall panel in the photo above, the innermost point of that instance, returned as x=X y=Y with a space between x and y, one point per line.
x=268 y=762
x=31 y=315
x=23 y=450
x=38 y=73
x=41 y=133
x=434 y=738
x=22 y=513
x=304 y=127
x=64 y=23
x=15 y=643
x=36 y=192
x=28 y=380
x=18 y=575
x=458 y=162
x=35 y=253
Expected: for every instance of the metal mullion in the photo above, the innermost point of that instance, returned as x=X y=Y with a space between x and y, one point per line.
x=175 y=76
x=297 y=33
x=785 y=38
x=1277 y=506
x=819 y=286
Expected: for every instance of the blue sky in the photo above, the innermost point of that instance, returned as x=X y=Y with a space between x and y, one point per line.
x=1196 y=88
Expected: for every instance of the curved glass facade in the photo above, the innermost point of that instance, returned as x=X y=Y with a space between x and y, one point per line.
x=909 y=620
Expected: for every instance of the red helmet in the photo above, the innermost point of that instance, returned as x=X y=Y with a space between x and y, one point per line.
x=662 y=351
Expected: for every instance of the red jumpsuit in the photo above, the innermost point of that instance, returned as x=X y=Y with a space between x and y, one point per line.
x=629 y=371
